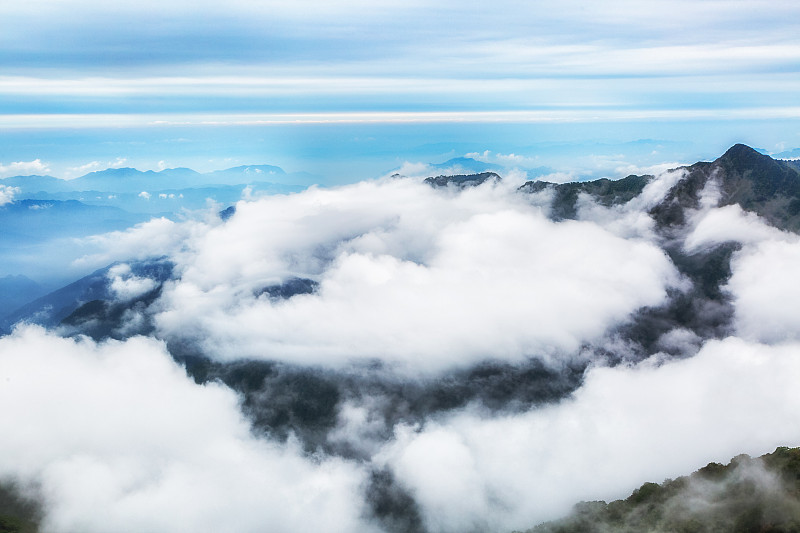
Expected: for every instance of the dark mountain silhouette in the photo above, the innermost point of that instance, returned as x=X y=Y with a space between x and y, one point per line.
x=86 y=306
x=754 y=181
x=742 y=176
x=604 y=191
x=52 y=308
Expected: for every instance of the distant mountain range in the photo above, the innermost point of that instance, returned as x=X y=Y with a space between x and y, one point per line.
x=27 y=219
x=788 y=154
x=18 y=290
x=131 y=180
x=45 y=212
x=157 y=193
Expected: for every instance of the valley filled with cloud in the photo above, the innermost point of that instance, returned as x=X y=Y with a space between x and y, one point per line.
x=463 y=354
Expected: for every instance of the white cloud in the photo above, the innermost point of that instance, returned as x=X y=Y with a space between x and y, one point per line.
x=414 y=170
x=625 y=426
x=507 y=160
x=144 y=194
x=7 y=194
x=88 y=167
x=730 y=224
x=24 y=167
x=146 y=240
x=763 y=283
x=117 y=438
x=126 y=286
x=765 y=289
x=627 y=170
x=558 y=177
x=474 y=275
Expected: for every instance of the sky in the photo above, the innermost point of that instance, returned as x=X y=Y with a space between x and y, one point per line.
x=352 y=89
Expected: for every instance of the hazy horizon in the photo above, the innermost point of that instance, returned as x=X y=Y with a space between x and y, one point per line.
x=351 y=90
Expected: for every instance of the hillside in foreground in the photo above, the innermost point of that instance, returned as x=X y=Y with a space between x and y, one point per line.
x=747 y=495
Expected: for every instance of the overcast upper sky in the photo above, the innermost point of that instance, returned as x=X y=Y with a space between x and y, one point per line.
x=159 y=69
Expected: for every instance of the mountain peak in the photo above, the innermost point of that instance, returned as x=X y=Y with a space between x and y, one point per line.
x=741 y=155
x=740 y=148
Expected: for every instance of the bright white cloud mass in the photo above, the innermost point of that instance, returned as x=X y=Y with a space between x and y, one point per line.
x=473 y=473
x=23 y=168
x=125 y=441
x=429 y=282
x=474 y=276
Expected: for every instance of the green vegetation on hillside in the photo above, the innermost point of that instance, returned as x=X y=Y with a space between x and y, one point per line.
x=604 y=191
x=748 y=495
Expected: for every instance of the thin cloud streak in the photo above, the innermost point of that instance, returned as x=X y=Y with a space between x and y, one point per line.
x=240 y=82
x=23 y=121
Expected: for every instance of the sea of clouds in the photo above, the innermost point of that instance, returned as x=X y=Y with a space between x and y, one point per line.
x=412 y=284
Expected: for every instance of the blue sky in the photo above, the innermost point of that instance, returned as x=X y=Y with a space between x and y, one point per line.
x=351 y=89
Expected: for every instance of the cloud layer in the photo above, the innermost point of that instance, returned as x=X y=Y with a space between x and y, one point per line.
x=411 y=276
x=446 y=358
x=116 y=437
x=623 y=427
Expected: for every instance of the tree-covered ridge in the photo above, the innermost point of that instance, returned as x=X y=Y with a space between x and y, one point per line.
x=747 y=495
x=756 y=182
x=605 y=191
x=462 y=180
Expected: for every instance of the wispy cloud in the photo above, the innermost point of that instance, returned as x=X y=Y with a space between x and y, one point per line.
x=391 y=117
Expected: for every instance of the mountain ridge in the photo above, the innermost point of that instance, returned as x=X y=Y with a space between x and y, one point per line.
x=746 y=495
x=132 y=180
x=757 y=182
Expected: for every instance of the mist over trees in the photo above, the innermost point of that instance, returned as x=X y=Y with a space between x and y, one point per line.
x=423 y=353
